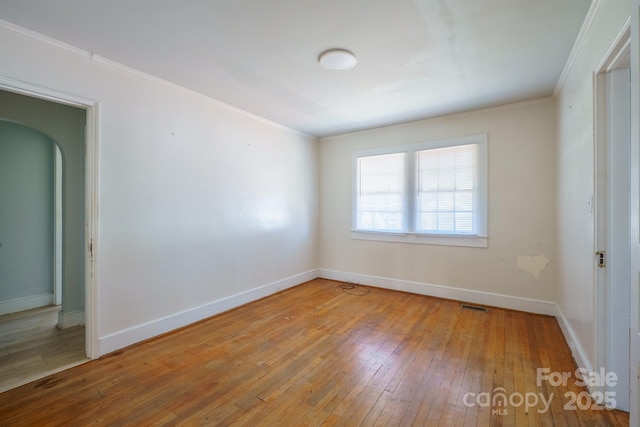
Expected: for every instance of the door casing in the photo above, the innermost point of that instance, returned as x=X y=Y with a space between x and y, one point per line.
x=91 y=194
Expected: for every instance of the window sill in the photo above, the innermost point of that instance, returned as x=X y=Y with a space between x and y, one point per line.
x=422 y=239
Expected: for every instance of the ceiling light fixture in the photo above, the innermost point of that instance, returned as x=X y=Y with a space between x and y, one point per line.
x=337 y=60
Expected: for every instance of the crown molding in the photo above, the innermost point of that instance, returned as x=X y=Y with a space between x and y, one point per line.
x=92 y=56
x=577 y=45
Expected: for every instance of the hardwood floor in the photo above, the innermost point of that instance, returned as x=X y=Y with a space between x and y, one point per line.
x=31 y=346
x=319 y=354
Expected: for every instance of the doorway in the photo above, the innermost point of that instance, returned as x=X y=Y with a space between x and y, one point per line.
x=30 y=219
x=28 y=238
x=72 y=123
x=31 y=232
x=613 y=220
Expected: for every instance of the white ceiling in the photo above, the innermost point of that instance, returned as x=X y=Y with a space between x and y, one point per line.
x=416 y=58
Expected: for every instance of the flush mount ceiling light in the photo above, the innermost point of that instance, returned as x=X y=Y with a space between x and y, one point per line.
x=337 y=60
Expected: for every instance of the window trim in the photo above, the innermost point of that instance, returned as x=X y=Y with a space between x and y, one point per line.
x=409 y=235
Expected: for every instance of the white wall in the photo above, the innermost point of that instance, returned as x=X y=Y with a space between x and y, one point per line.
x=521 y=207
x=575 y=171
x=199 y=205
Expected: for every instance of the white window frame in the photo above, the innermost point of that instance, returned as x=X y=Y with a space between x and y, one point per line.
x=480 y=239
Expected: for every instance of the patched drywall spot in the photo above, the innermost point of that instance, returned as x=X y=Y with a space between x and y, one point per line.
x=533 y=264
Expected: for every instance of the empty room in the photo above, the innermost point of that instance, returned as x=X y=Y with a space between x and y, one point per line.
x=408 y=212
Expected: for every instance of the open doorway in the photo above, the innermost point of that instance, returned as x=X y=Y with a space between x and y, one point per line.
x=613 y=220
x=31 y=234
x=28 y=234
x=66 y=276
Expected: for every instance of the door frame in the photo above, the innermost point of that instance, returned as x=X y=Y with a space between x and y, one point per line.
x=617 y=54
x=634 y=415
x=57 y=226
x=91 y=188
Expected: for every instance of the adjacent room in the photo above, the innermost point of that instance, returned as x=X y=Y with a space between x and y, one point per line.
x=418 y=212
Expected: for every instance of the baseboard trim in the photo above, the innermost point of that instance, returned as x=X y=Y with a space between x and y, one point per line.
x=68 y=319
x=467 y=295
x=577 y=351
x=126 y=337
x=25 y=303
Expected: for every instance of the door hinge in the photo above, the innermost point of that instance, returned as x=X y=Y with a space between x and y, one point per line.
x=602 y=261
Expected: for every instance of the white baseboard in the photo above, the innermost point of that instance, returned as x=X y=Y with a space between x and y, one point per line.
x=458 y=294
x=138 y=333
x=25 y=303
x=70 y=319
x=579 y=355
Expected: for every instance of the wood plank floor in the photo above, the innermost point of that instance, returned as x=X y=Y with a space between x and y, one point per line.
x=31 y=346
x=322 y=354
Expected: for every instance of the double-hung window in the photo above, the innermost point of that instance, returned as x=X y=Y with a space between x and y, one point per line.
x=432 y=193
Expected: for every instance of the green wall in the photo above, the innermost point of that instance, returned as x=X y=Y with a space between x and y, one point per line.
x=65 y=125
x=26 y=212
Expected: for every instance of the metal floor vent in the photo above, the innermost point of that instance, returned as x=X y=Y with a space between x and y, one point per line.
x=474 y=307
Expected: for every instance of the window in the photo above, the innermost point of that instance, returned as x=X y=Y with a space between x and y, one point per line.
x=433 y=193
x=381 y=192
x=446 y=193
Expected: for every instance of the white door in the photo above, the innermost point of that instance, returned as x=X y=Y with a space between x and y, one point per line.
x=618 y=233
x=613 y=221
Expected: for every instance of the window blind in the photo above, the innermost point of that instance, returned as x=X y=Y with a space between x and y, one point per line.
x=447 y=190
x=381 y=192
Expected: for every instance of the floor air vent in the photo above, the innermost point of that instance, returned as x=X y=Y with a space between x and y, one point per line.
x=474 y=307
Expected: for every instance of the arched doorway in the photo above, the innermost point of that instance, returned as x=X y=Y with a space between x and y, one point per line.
x=28 y=197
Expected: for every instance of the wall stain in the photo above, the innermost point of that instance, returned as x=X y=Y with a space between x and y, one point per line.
x=533 y=264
